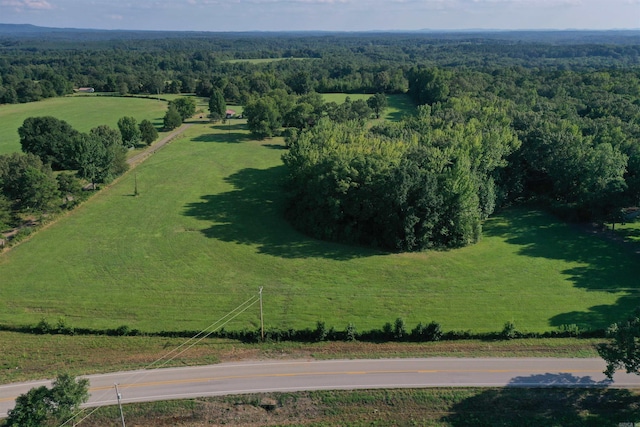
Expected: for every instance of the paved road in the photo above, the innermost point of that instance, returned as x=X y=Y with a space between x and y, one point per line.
x=296 y=375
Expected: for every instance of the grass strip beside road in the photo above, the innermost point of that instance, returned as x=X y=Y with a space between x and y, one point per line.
x=398 y=407
x=30 y=357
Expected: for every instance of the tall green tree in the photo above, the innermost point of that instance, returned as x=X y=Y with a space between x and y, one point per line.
x=48 y=138
x=100 y=155
x=172 y=118
x=263 y=117
x=623 y=349
x=28 y=183
x=148 y=132
x=429 y=85
x=129 y=131
x=217 y=105
x=32 y=409
x=378 y=103
x=186 y=107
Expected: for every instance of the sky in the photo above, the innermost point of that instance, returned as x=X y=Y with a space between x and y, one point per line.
x=329 y=15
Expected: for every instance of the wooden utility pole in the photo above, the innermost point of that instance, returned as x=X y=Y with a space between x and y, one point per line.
x=120 y=405
x=261 y=317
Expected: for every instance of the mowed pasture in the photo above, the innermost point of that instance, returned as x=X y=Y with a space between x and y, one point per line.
x=81 y=112
x=207 y=231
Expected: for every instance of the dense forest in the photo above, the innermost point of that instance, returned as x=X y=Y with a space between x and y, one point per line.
x=548 y=118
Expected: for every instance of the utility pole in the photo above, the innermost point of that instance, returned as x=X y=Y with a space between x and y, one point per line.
x=120 y=405
x=261 y=317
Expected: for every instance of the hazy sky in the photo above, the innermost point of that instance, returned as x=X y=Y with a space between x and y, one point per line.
x=349 y=15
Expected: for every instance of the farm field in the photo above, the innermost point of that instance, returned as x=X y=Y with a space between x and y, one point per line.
x=206 y=232
x=81 y=112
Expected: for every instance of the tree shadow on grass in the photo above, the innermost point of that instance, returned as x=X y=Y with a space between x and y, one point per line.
x=561 y=400
x=403 y=104
x=275 y=146
x=631 y=236
x=226 y=133
x=229 y=126
x=252 y=214
x=225 y=138
x=606 y=266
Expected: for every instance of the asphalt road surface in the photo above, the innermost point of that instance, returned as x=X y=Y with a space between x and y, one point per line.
x=297 y=375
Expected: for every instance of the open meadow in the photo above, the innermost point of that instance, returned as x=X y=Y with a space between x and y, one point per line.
x=206 y=232
x=81 y=112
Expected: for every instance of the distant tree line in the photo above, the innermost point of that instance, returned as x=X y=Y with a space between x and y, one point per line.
x=33 y=69
x=532 y=118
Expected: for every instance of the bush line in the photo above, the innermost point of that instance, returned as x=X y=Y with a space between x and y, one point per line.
x=396 y=332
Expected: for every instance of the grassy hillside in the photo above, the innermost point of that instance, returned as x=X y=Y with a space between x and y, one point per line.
x=81 y=112
x=206 y=232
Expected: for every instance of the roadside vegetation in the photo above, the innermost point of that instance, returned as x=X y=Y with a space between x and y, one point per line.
x=454 y=407
x=31 y=357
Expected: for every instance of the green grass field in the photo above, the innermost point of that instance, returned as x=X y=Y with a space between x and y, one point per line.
x=81 y=112
x=629 y=231
x=206 y=232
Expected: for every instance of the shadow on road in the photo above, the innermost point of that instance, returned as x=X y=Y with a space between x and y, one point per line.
x=557 y=380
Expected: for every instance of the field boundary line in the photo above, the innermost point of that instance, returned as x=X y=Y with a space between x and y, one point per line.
x=140 y=157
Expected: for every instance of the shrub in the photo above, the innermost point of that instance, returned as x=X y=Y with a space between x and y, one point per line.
x=351 y=332
x=43 y=327
x=430 y=332
x=63 y=328
x=509 y=331
x=571 y=330
x=387 y=331
x=399 y=329
x=122 y=331
x=320 y=334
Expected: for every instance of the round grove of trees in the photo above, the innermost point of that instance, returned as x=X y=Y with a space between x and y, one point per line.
x=475 y=144
x=415 y=185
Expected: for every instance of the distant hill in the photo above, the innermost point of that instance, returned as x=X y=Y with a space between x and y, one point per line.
x=19 y=28
x=624 y=37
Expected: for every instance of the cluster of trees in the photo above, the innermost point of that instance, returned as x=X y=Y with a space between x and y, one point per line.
x=97 y=156
x=579 y=133
x=566 y=141
x=42 y=406
x=127 y=63
x=179 y=110
x=29 y=185
x=425 y=182
x=57 y=160
x=268 y=114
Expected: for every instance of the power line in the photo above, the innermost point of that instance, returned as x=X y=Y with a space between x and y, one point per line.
x=197 y=337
